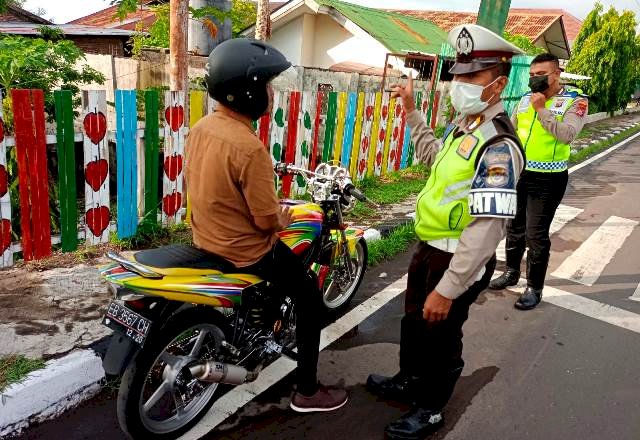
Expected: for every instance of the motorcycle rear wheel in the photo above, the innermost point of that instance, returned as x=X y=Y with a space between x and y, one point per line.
x=156 y=399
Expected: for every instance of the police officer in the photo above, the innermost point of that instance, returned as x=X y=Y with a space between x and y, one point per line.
x=548 y=119
x=461 y=216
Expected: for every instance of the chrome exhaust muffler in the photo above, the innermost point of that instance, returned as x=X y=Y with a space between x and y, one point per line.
x=217 y=372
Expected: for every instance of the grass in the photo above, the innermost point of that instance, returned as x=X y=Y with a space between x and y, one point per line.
x=591 y=150
x=14 y=368
x=395 y=243
x=585 y=133
x=153 y=235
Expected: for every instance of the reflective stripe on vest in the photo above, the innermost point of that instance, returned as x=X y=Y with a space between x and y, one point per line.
x=544 y=152
x=442 y=210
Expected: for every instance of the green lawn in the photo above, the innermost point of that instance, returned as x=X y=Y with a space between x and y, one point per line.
x=14 y=368
x=395 y=243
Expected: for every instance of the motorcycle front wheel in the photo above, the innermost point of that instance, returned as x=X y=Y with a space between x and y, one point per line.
x=338 y=285
x=157 y=399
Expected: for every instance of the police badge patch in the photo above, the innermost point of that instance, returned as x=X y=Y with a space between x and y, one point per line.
x=467 y=146
x=464 y=43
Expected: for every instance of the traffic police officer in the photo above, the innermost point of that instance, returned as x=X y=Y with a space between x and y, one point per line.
x=461 y=216
x=548 y=119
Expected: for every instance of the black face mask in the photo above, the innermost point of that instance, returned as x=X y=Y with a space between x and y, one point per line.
x=538 y=84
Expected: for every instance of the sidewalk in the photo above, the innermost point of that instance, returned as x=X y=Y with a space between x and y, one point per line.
x=55 y=314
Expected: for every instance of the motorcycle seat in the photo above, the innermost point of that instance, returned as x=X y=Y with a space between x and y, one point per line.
x=181 y=256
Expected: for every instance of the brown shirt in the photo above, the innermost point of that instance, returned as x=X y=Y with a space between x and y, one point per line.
x=230 y=181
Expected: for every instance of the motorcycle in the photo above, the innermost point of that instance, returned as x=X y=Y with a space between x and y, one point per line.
x=187 y=324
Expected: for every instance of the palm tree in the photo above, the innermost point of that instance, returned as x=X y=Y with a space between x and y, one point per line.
x=263 y=21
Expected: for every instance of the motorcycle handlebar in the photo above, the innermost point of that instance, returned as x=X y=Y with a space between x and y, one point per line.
x=355 y=192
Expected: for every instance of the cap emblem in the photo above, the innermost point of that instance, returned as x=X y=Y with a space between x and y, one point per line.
x=464 y=44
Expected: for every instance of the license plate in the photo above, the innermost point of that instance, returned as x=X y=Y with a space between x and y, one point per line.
x=128 y=322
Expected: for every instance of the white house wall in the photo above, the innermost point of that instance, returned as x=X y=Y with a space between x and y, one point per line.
x=288 y=39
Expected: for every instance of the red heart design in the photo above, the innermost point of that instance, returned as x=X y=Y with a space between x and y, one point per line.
x=385 y=111
x=5 y=235
x=3 y=181
x=379 y=158
x=369 y=112
x=98 y=220
x=425 y=104
x=396 y=131
x=172 y=203
x=95 y=125
x=365 y=144
x=1 y=130
x=382 y=135
x=398 y=110
x=392 y=157
x=174 y=117
x=363 y=165
x=173 y=166
x=95 y=173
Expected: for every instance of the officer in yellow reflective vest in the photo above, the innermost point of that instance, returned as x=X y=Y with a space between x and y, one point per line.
x=461 y=216
x=548 y=119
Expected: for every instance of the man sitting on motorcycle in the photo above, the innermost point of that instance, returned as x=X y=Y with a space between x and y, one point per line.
x=235 y=212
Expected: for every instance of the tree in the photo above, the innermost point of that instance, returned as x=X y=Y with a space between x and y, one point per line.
x=242 y=14
x=263 y=21
x=608 y=50
x=523 y=43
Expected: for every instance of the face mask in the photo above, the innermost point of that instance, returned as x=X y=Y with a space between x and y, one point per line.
x=538 y=84
x=466 y=98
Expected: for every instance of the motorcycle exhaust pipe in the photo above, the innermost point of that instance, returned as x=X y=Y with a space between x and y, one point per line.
x=218 y=372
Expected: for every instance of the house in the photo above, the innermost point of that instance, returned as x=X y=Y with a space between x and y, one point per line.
x=90 y=39
x=340 y=36
x=551 y=29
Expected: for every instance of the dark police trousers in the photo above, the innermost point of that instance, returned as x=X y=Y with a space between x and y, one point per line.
x=433 y=353
x=285 y=270
x=539 y=195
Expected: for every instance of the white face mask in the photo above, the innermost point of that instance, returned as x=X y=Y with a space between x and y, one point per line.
x=466 y=98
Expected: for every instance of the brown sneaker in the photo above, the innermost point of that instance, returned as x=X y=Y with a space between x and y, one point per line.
x=325 y=399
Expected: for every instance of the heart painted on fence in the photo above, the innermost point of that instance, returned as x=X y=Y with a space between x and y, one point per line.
x=95 y=125
x=369 y=112
x=174 y=117
x=171 y=203
x=385 y=111
x=3 y=181
x=379 y=158
x=365 y=144
x=398 y=110
x=382 y=135
x=173 y=166
x=96 y=173
x=425 y=104
x=1 y=130
x=5 y=235
x=396 y=132
x=98 y=220
x=362 y=166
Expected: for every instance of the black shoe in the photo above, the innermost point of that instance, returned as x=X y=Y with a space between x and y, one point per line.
x=397 y=387
x=509 y=278
x=529 y=299
x=415 y=424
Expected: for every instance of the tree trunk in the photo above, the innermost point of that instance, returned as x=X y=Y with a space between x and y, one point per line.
x=178 y=58
x=263 y=21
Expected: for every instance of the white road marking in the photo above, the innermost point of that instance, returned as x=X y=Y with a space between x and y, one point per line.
x=606 y=152
x=564 y=215
x=235 y=399
x=586 y=263
x=636 y=294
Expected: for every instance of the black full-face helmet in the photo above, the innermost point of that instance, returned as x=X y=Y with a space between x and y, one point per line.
x=238 y=72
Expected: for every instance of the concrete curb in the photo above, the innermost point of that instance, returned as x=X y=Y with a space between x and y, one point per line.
x=48 y=392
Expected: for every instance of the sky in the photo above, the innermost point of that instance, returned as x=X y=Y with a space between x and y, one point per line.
x=62 y=11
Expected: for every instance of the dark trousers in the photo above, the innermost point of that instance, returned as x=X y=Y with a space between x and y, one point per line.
x=433 y=353
x=285 y=270
x=539 y=195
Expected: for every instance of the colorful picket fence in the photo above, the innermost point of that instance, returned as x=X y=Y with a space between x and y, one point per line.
x=365 y=132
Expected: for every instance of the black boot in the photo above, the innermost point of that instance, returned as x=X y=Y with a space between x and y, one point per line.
x=509 y=278
x=415 y=425
x=397 y=387
x=529 y=299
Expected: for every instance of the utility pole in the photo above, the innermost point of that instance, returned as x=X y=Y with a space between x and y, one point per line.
x=178 y=31
x=493 y=14
x=263 y=21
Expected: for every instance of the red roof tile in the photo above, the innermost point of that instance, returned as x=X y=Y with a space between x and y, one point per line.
x=572 y=24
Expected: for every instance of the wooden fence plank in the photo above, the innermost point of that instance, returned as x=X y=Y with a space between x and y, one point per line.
x=330 y=129
x=197 y=101
x=126 y=134
x=356 y=144
x=6 y=255
x=305 y=137
x=349 y=127
x=396 y=112
x=66 y=170
x=263 y=129
x=375 y=135
x=28 y=110
x=321 y=97
x=364 y=148
x=173 y=165
x=96 y=167
x=151 y=156
x=292 y=139
x=389 y=135
x=278 y=124
x=340 y=123
x=401 y=141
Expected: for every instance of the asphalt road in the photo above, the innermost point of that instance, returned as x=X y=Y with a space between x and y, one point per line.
x=566 y=370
